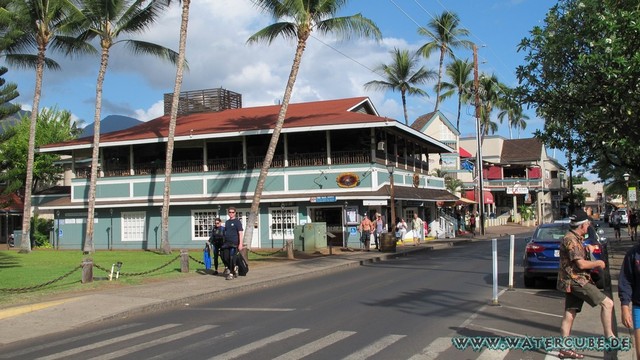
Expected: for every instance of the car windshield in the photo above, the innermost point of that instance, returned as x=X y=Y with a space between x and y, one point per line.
x=555 y=233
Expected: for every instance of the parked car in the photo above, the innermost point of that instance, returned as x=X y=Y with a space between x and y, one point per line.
x=542 y=253
x=624 y=216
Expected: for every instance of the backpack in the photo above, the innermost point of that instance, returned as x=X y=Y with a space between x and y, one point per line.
x=616 y=219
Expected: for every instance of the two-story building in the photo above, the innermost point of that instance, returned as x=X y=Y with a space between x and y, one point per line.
x=332 y=165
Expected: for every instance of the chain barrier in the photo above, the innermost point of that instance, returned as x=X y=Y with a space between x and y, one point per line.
x=139 y=273
x=25 y=289
x=268 y=254
x=196 y=260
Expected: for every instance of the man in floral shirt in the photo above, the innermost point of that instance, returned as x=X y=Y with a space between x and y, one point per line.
x=574 y=280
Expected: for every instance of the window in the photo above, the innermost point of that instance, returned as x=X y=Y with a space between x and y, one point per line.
x=202 y=222
x=282 y=222
x=133 y=226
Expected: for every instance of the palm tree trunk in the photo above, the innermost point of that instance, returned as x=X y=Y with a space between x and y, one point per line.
x=404 y=106
x=442 y=50
x=257 y=196
x=459 y=110
x=88 y=242
x=25 y=242
x=166 y=246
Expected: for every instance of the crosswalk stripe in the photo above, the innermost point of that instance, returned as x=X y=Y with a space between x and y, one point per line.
x=374 y=348
x=434 y=349
x=107 y=342
x=489 y=354
x=35 y=348
x=148 y=344
x=314 y=346
x=235 y=353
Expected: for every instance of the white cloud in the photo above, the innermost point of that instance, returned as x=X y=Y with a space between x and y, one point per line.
x=156 y=110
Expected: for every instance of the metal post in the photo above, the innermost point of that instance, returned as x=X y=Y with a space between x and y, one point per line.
x=479 y=139
x=282 y=223
x=512 y=240
x=494 y=256
x=392 y=195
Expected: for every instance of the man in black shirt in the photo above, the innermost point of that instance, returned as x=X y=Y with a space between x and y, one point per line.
x=233 y=232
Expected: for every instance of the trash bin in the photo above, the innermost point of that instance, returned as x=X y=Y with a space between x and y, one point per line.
x=387 y=242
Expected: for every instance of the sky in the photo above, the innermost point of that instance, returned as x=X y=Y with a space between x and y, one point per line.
x=219 y=56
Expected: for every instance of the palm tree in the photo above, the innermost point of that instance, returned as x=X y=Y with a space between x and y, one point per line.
x=512 y=110
x=491 y=91
x=459 y=72
x=41 y=24
x=166 y=247
x=297 y=19
x=400 y=75
x=108 y=20
x=444 y=35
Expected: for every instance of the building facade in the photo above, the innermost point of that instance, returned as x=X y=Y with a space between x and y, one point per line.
x=334 y=163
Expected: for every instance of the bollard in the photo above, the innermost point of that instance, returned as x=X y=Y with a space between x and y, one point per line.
x=184 y=260
x=494 y=256
x=87 y=271
x=290 y=250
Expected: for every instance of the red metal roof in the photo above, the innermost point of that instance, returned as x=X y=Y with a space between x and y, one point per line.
x=11 y=203
x=318 y=113
x=464 y=153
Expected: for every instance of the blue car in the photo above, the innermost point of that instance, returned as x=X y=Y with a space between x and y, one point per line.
x=542 y=253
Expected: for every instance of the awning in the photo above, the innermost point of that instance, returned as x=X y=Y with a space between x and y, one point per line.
x=464 y=201
x=464 y=153
x=471 y=195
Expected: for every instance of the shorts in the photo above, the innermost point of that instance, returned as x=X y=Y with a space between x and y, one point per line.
x=635 y=313
x=579 y=294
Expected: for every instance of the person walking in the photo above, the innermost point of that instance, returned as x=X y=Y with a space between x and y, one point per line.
x=574 y=280
x=216 y=239
x=633 y=224
x=629 y=293
x=379 y=229
x=616 y=220
x=366 y=226
x=233 y=232
x=472 y=224
x=417 y=226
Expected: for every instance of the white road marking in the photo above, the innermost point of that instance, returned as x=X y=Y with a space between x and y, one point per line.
x=374 y=348
x=237 y=352
x=148 y=344
x=107 y=342
x=434 y=349
x=314 y=346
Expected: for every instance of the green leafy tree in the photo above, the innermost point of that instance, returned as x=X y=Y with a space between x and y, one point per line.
x=41 y=25
x=297 y=19
x=581 y=74
x=109 y=21
x=52 y=126
x=402 y=76
x=459 y=74
x=166 y=197
x=444 y=35
x=8 y=92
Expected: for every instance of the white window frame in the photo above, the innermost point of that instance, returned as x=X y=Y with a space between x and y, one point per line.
x=134 y=226
x=276 y=223
x=202 y=221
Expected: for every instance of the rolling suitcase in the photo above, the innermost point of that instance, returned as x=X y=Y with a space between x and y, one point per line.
x=241 y=263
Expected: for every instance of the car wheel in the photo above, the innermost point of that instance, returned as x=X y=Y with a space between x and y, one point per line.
x=529 y=281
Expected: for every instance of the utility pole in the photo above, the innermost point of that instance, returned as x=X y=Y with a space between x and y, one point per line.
x=476 y=86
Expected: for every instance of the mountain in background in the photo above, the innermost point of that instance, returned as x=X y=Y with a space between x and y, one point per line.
x=11 y=120
x=111 y=123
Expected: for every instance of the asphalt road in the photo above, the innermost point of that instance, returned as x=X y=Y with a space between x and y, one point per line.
x=404 y=308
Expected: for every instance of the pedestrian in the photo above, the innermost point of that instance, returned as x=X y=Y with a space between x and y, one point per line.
x=401 y=229
x=365 y=231
x=418 y=228
x=574 y=280
x=216 y=239
x=379 y=226
x=629 y=293
x=472 y=224
x=633 y=224
x=616 y=220
x=233 y=232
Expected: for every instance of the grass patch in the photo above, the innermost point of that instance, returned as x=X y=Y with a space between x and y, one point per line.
x=42 y=266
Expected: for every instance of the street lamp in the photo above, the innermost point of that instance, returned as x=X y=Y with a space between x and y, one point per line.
x=626 y=178
x=392 y=192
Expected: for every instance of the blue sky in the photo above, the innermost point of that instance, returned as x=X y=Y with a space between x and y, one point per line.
x=219 y=57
